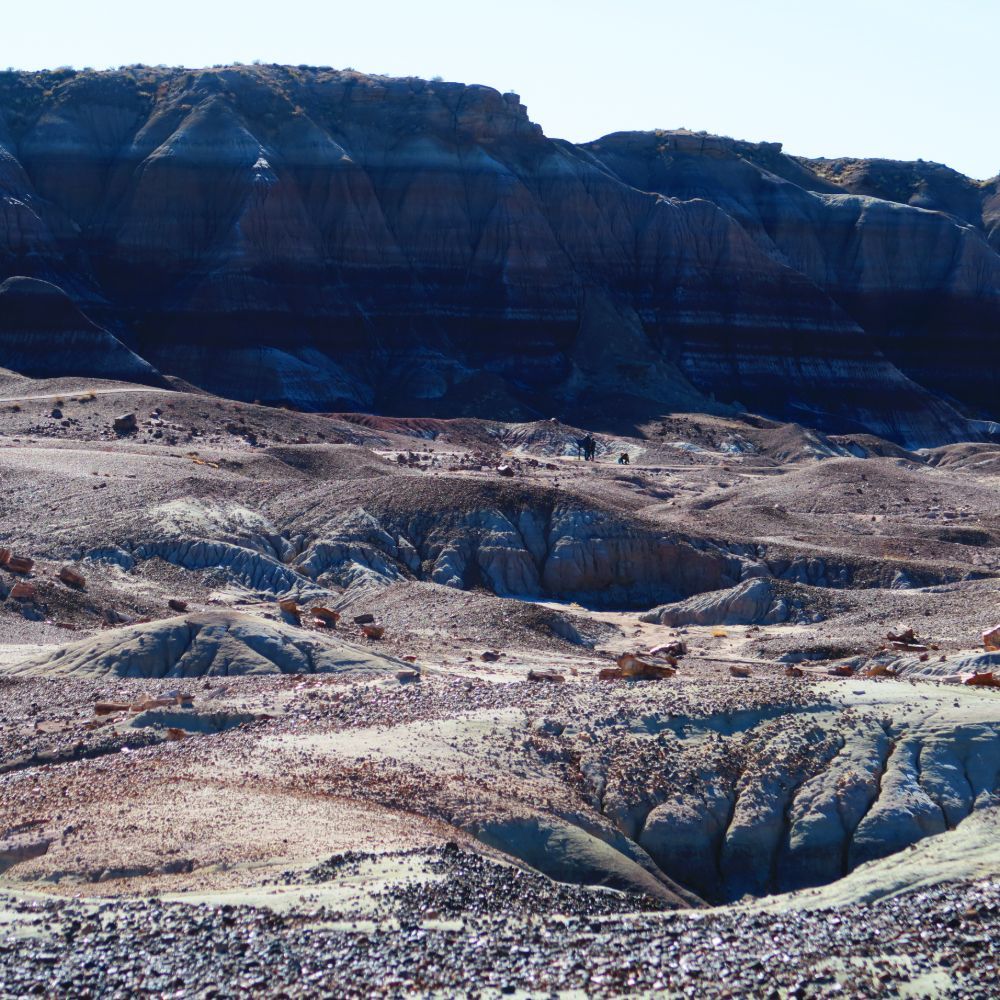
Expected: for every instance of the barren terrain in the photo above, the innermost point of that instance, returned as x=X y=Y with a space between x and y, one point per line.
x=471 y=771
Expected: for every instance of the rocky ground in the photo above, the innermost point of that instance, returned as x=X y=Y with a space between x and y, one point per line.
x=303 y=704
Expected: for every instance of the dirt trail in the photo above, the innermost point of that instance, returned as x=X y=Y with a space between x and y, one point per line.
x=84 y=391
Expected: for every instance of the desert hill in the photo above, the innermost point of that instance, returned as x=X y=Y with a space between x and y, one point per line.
x=338 y=241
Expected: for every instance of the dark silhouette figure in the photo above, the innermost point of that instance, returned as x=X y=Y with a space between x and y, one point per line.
x=623 y=458
x=589 y=448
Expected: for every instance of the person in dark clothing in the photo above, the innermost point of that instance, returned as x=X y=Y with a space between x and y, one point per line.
x=623 y=458
x=589 y=448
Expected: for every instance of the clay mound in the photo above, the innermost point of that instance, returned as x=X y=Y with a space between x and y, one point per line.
x=208 y=644
x=44 y=335
x=331 y=461
x=415 y=607
x=753 y=602
x=870 y=446
x=969 y=455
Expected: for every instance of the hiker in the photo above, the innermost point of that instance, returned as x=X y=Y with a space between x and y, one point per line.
x=623 y=458
x=589 y=448
x=581 y=447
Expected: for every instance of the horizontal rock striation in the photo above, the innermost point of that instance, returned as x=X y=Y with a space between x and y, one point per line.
x=914 y=262
x=342 y=242
x=44 y=335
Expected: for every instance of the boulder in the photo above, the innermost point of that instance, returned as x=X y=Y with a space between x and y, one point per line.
x=125 y=424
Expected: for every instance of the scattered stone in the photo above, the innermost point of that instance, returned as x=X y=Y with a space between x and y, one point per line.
x=489 y=655
x=176 y=604
x=407 y=676
x=19 y=564
x=883 y=669
x=985 y=679
x=72 y=578
x=325 y=616
x=676 y=649
x=550 y=676
x=738 y=670
x=365 y=619
x=372 y=631
x=505 y=470
x=909 y=647
x=23 y=591
x=111 y=707
x=635 y=667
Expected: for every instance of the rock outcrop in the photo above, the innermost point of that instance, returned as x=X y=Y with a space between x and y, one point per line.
x=760 y=814
x=753 y=602
x=340 y=241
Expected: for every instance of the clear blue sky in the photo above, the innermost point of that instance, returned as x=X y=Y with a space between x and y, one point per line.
x=897 y=78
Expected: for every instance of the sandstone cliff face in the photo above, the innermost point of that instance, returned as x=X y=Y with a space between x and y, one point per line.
x=337 y=241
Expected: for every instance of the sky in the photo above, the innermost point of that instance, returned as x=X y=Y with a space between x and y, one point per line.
x=906 y=79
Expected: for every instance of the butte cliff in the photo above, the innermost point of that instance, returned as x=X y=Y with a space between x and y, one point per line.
x=337 y=241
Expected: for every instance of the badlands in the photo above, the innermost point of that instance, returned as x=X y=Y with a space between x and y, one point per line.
x=298 y=704
x=329 y=667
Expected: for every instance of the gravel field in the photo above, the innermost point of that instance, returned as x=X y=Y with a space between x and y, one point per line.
x=937 y=942
x=307 y=705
